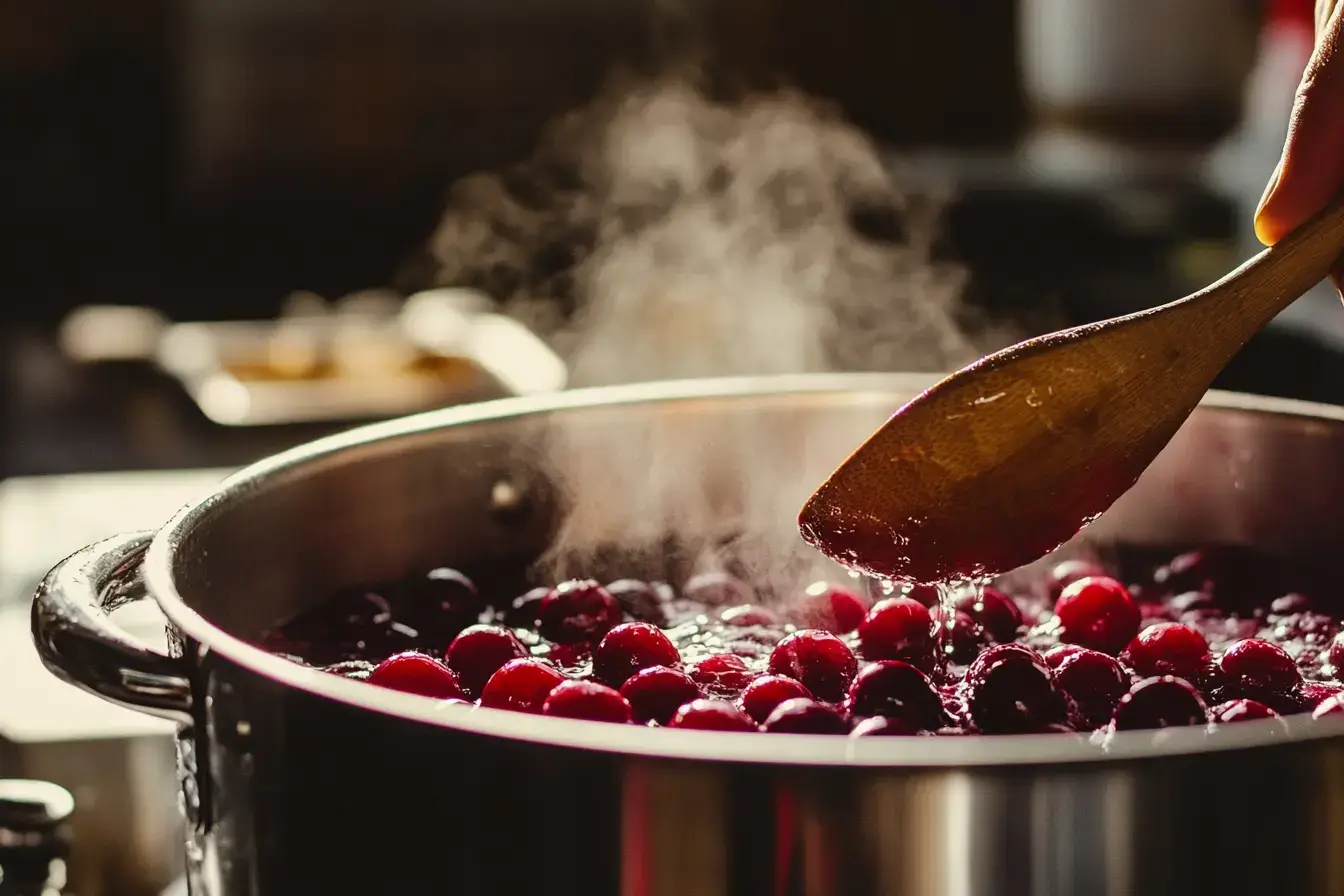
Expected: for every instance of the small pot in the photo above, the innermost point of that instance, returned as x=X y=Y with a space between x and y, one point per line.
x=297 y=781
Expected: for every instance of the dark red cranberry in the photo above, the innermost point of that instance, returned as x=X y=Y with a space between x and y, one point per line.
x=521 y=685
x=803 y=716
x=1059 y=653
x=898 y=628
x=1242 y=711
x=415 y=673
x=579 y=610
x=1062 y=575
x=1314 y=693
x=928 y=595
x=1255 y=666
x=1289 y=604
x=1336 y=655
x=656 y=693
x=629 y=647
x=587 y=700
x=820 y=660
x=1168 y=648
x=895 y=690
x=1010 y=690
x=722 y=674
x=994 y=610
x=712 y=715
x=439 y=606
x=1095 y=682
x=879 y=726
x=1331 y=706
x=747 y=615
x=1097 y=613
x=479 y=651
x=717 y=589
x=570 y=657
x=524 y=608
x=639 y=600
x=831 y=608
x=359 y=670
x=1161 y=702
x=966 y=639
x=765 y=693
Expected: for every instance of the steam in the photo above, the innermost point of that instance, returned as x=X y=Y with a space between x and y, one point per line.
x=658 y=234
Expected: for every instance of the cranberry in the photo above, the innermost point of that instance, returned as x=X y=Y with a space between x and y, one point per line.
x=898 y=628
x=881 y=726
x=717 y=589
x=587 y=700
x=895 y=690
x=747 y=615
x=579 y=610
x=479 y=651
x=639 y=600
x=630 y=647
x=803 y=716
x=1337 y=653
x=1259 y=667
x=1331 y=706
x=965 y=639
x=831 y=608
x=1242 y=711
x=1058 y=654
x=1095 y=682
x=524 y=609
x=1097 y=613
x=521 y=685
x=656 y=693
x=1314 y=693
x=570 y=657
x=722 y=674
x=415 y=673
x=767 y=692
x=928 y=595
x=1062 y=575
x=994 y=610
x=1010 y=690
x=1168 y=648
x=1161 y=702
x=712 y=715
x=440 y=605
x=820 y=660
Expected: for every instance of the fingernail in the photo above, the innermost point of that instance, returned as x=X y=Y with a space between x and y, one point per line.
x=1269 y=188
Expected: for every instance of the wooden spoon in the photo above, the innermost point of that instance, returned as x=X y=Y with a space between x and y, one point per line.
x=1007 y=459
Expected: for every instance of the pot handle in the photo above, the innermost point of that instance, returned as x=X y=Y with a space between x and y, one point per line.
x=78 y=641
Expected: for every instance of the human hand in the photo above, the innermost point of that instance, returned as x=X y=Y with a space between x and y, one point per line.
x=1311 y=170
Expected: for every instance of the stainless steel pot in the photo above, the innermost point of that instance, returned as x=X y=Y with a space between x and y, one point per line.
x=298 y=781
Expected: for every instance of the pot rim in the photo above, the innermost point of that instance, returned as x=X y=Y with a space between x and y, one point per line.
x=808 y=750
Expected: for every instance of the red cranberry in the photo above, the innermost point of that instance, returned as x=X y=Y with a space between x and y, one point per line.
x=579 y=610
x=1097 y=613
x=965 y=639
x=639 y=600
x=479 y=651
x=747 y=615
x=880 y=726
x=440 y=605
x=831 y=608
x=1331 y=706
x=1314 y=693
x=1059 y=653
x=524 y=609
x=1242 y=711
x=898 y=628
x=1062 y=575
x=587 y=700
x=821 y=661
x=570 y=657
x=717 y=589
x=1161 y=702
x=415 y=673
x=994 y=610
x=803 y=716
x=722 y=674
x=521 y=685
x=895 y=690
x=630 y=647
x=928 y=595
x=1257 y=666
x=712 y=715
x=767 y=692
x=1095 y=682
x=1010 y=690
x=1168 y=648
x=1337 y=653
x=656 y=693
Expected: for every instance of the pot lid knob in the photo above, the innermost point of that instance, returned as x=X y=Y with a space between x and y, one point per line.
x=32 y=811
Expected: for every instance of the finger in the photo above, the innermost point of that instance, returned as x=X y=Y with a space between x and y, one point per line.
x=1337 y=277
x=1312 y=168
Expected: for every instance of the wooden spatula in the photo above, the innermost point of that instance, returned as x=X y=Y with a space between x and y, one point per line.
x=1008 y=458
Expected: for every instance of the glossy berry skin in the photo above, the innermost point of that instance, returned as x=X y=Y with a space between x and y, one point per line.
x=523 y=610
x=656 y=693
x=879 y=726
x=629 y=647
x=587 y=700
x=1058 y=654
x=965 y=639
x=1099 y=614
x=1241 y=711
x=927 y=595
x=803 y=716
x=1168 y=648
x=1314 y=693
x=765 y=693
x=1255 y=667
x=830 y=608
x=639 y=601
x=1331 y=706
x=895 y=690
x=1161 y=702
x=441 y=604
x=995 y=611
x=521 y=685
x=1064 y=574
x=478 y=652
x=821 y=661
x=712 y=715
x=898 y=628
x=578 y=611
x=1094 y=682
x=415 y=673
x=1011 y=690
x=722 y=675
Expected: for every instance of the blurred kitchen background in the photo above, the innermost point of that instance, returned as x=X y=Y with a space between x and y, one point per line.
x=217 y=211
